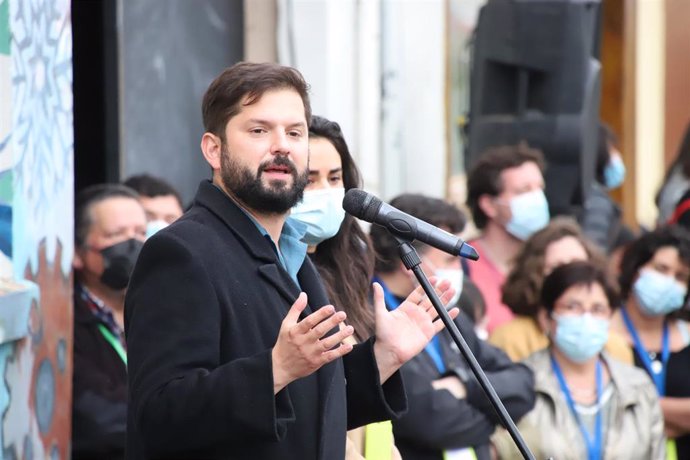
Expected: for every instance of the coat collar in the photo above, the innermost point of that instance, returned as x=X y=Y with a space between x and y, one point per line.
x=222 y=206
x=545 y=381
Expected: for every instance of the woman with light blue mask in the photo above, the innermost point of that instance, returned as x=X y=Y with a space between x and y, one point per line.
x=588 y=406
x=655 y=270
x=343 y=256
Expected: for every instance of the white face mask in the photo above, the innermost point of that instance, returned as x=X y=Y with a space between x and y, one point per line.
x=456 y=277
x=322 y=212
x=154 y=226
x=481 y=333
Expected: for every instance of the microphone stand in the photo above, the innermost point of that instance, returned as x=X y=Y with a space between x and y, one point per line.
x=411 y=259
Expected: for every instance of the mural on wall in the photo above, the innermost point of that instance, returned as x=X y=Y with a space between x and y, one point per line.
x=36 y=222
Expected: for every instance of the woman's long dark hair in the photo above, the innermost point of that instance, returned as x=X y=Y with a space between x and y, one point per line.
x=346 y=261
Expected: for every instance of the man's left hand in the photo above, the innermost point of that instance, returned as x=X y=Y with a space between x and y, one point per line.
x=402 y=333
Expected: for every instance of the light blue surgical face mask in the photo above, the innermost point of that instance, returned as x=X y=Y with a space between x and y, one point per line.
x=530 y=213
x=154 y=226
x=658 y=294
x=580 y=337
x=614 y=173
x=322 y=212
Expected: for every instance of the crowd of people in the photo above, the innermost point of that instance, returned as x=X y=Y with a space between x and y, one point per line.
x=261 y=321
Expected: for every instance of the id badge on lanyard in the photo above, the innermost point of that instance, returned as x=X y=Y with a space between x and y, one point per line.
x=466 y=453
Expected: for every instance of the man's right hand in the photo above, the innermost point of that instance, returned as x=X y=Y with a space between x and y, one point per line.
x=301 y=348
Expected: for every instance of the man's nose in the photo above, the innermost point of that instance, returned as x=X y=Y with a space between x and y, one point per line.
x=133 y=233
x=280 y=145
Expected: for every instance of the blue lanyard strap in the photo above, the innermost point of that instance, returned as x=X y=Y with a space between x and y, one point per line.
x=433 y=348
x=658 y=374
x=593 y=442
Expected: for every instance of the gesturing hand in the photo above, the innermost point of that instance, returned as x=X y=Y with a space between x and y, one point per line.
x=301 y=348
x=402 y=333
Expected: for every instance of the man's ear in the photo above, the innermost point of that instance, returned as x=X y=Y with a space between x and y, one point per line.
x=487 y=205
x=77 y=260
x=543 y=321
x=212 y=148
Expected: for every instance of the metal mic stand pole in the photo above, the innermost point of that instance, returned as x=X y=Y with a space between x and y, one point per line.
x=411 y=259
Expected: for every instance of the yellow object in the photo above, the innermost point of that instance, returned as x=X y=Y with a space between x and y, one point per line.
x=671 y=453
x=378 y=439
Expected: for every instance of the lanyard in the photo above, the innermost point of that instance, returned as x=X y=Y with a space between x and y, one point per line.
x=656 y=371
x=433 y=348
x=114 y=342
x=593 y=444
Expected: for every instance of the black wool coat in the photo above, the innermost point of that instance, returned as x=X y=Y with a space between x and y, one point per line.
x=99 y=391
x=202 y=313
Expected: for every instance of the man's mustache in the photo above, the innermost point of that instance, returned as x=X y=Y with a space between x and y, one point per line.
x=279 y=162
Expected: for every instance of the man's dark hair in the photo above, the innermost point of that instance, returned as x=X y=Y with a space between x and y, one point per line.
x=224 y=97
x=579 y=273
x=642 y=250
x=485 y=176
x=434 y=211
x=606 y=140
x=87 y=198
x=149 y=186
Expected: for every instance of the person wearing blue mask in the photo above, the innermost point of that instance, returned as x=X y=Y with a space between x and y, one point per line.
x=449 y=415
x=162 y=203
x=342 y=254
x=655 y=270
x=589 y=406
x=505 y=192
x=602 y=220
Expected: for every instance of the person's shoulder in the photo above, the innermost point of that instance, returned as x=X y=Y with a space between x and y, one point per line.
x=628 y=377
x=618 y=348
x=519 y=337
x=539 y=361
x=519 y=324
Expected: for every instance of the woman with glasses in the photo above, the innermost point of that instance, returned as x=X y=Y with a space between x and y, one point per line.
x=588 y=405
x=558 y=243
x=654 y=279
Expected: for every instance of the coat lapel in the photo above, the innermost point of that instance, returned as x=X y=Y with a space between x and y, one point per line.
x=212 y=198
x=281 y=281
x=236 y=220
x=311 y=283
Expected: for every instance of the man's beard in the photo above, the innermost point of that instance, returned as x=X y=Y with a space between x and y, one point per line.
x=276 y=197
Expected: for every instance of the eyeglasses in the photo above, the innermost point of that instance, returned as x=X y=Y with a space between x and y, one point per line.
x=597 y=310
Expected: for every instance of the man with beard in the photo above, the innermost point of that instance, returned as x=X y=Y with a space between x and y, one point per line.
x=109 y=231
x=234 y=351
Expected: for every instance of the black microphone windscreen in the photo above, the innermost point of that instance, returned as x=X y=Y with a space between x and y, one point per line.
x=361 y=204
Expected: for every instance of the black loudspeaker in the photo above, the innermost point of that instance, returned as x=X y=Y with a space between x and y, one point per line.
x=535 y=77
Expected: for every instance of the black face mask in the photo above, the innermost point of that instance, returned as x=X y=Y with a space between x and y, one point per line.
x=118 y=263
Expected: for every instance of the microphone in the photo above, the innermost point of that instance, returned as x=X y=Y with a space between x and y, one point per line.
x=367 y=207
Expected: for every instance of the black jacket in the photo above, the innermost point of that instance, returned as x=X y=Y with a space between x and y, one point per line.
x=99 y=391
x=203 y=311
x=437 y=421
